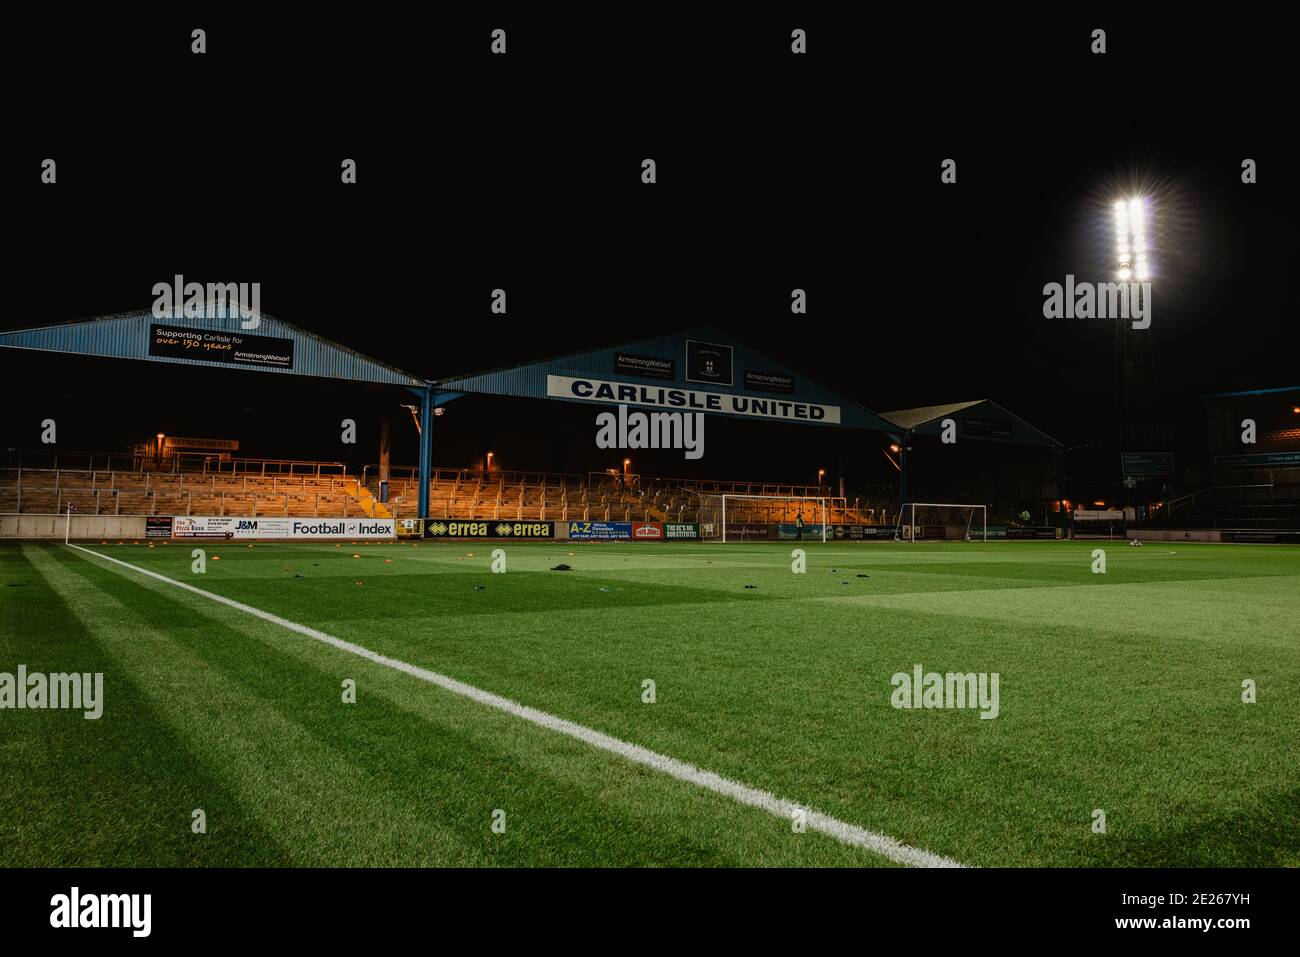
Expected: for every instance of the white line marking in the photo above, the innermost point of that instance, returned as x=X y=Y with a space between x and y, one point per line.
x=842 y=831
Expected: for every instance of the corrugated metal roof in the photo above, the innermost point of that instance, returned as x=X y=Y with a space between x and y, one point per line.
x=911 y=418
x=129 y=335
x=530 y=380
x=928 y=419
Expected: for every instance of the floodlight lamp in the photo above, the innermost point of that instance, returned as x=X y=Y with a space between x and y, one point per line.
x=1126 y=274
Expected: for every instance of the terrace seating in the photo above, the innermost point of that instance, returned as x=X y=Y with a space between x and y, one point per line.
x=270 y=504
x=288 y=489
x=204 y=503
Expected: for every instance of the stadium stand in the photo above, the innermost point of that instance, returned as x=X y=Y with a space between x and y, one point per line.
x=243 y=487
x=143 y=492
x=1259 y=506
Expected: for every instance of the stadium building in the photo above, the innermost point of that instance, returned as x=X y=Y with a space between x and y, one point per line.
x=1252 y=460
x=515 y=444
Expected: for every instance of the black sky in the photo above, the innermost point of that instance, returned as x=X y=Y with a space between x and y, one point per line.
x=775 y=172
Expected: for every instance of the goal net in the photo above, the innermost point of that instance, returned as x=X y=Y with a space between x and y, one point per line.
x=732 y=518
x=942 y=521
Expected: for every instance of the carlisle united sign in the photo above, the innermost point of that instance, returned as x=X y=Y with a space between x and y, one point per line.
x=689 y=400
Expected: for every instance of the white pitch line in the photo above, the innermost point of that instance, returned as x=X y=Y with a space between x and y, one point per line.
x=842 y=831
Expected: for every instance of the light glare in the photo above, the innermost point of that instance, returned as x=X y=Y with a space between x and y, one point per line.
x=1130 y=238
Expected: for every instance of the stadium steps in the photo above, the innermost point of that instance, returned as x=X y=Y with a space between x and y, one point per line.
x=366 y=500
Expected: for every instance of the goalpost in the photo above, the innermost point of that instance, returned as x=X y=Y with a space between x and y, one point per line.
x=750 y=513
x=942 y=521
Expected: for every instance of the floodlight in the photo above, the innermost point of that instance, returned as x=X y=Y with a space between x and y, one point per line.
x=1130 y=238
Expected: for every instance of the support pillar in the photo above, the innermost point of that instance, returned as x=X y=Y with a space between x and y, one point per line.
x=385 y=444
x=902 y=468
x=426 y=448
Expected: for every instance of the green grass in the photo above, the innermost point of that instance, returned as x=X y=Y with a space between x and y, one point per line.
x=1119 y=691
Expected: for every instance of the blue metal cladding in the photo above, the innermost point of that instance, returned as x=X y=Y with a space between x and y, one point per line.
x=529 y=381
x=127 y=337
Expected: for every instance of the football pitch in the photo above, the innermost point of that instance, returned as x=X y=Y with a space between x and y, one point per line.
x=1119 y=693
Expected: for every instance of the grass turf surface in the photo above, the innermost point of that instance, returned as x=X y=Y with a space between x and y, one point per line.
x=1119 y=691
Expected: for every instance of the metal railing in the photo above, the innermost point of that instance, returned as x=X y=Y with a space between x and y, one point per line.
x=1273 y=505
x=55 y=501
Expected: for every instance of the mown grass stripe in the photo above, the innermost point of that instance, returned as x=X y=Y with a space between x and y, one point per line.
x=847 y=833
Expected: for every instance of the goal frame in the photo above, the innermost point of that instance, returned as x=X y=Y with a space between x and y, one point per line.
x=821 y=500
x=983 y=511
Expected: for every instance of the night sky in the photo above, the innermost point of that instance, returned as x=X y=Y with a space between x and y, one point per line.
x=775 y=172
